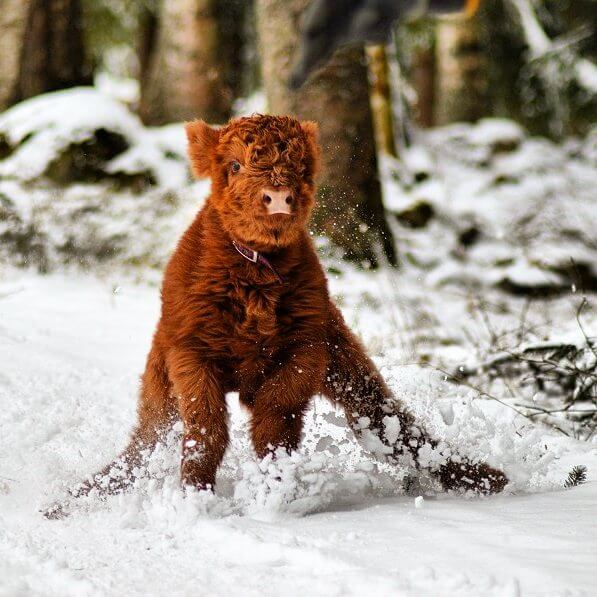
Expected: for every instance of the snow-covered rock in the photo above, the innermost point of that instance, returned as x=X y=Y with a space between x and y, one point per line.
x=40 y=134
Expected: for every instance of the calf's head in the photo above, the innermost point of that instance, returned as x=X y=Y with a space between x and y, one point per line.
x=262 y=170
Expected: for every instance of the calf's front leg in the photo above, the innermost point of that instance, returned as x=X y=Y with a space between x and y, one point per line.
x=281 y=401
x=201 y=396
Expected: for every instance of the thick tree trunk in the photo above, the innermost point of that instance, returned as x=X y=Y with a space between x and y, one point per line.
x=41 y=48
x=505 y=60
x=191 y=67
x=461 y=78
x=350 y=210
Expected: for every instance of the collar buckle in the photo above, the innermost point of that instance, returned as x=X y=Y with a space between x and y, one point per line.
x=255 y=257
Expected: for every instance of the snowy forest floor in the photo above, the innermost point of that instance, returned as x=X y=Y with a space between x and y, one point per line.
x=338 y=524
x=496 y=233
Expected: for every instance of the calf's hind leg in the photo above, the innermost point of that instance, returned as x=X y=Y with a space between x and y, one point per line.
x=155 y=415
x=381 y=423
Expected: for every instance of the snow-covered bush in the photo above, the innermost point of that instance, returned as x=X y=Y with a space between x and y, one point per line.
x=83 y=181
x=508 y=210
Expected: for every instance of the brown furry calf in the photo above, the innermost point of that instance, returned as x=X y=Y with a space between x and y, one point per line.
x=245 y=307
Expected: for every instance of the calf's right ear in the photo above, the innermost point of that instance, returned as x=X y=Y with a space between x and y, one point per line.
x=202 y=142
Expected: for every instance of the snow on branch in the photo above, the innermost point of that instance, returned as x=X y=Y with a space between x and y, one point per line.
x=586 y=74
x=540 y=45
x=535 y=36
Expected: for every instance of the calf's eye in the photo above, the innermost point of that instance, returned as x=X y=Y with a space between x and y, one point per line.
x=234 y=167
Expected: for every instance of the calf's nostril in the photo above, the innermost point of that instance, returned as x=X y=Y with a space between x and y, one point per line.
x=267 y=199
x=288 y=200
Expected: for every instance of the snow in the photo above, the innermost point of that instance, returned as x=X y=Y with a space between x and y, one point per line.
x=336 y=523
x=530 y=203
x=123 y=89
x=40 y=125
x=492 y=131
x=586 y=72
x=44 y=126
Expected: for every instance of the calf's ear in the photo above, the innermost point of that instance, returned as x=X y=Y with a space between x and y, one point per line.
x=311 y=130
x=202 y=142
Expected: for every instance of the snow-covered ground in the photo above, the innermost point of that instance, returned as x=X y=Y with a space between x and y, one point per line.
x=71 y=348
x=483 y=215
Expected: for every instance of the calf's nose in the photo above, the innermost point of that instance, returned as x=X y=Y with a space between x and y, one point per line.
x=278 y=200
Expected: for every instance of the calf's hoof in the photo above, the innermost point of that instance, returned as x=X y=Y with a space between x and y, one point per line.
x=465 y=476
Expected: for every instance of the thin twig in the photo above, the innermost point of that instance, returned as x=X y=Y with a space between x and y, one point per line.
x=590 y=343
x=480 y=391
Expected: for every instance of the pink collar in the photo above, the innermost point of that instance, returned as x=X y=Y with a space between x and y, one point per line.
x=257 y=257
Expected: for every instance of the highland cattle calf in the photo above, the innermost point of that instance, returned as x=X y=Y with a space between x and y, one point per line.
x=245 y=308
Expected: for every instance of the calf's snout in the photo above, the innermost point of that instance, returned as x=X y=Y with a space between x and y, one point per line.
x=277 y=200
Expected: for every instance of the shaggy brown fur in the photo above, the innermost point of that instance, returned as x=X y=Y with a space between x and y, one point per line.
x=228 y=324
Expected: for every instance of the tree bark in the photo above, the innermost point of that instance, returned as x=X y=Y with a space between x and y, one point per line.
x=41 y=48
x=350 y=209
x=192 y=68
x=461 y=83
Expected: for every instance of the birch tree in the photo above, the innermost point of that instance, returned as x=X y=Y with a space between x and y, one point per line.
x=191 y=64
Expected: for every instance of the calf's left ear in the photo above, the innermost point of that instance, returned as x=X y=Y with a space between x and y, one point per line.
x=311 y=130
x=203 y=141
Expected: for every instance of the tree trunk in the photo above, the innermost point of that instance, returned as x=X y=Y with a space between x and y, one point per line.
x=192 y=68
x=41 y=48
x=461 y=89
x=505 y=59
x=381 y=99
x=350 y=209
x=416 y=50
x=147 y=36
